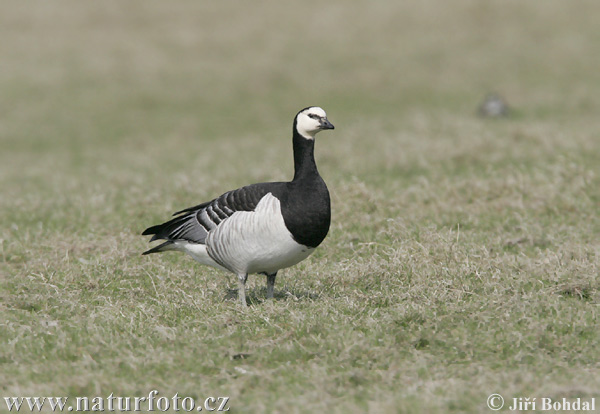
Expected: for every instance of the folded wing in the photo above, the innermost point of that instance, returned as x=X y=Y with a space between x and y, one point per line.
x=193 y=224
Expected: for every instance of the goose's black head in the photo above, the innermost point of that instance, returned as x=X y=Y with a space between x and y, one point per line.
x=311 y=120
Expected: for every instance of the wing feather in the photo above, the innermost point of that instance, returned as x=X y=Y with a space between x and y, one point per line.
x=194 y=223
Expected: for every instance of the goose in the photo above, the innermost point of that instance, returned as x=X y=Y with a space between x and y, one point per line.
x=260 y=228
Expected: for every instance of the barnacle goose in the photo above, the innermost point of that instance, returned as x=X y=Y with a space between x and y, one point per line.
x=260 y=228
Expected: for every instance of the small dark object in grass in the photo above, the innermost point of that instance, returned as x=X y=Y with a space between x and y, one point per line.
x=421 y=343
x=241 y=356
x=576 y=291
x=493 y=106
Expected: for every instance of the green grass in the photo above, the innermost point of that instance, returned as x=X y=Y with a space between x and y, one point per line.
x=463 y=255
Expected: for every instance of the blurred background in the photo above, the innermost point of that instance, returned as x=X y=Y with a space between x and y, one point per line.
x=150 y=83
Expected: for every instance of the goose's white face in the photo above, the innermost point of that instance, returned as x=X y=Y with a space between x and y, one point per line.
x=311 y=120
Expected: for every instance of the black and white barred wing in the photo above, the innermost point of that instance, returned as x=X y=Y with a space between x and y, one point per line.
x=193 y=224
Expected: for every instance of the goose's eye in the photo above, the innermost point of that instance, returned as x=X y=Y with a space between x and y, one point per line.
x=313 y=116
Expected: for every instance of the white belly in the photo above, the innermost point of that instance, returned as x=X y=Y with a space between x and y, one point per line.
x=256 y=241
x=197 y=251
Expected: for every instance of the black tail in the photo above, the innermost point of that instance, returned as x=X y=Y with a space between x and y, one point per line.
x=168 y=230
x=160 y=231
x=154 y=230
x=184 y=227
x=159 y=248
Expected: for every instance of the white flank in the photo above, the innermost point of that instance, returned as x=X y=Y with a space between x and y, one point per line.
x=197 y=251
x=256 y=241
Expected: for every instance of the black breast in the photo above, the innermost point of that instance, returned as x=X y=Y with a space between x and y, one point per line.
x=306 y=210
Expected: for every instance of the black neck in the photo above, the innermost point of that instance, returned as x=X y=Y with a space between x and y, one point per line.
x=304 y=157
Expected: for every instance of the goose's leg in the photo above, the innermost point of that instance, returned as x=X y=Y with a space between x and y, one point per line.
x=270 y=284
x=242 y=277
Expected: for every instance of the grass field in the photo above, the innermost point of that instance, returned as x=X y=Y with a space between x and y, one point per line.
x=463 y=258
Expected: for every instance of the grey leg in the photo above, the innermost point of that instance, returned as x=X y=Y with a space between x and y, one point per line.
x=242 y=288
x=271 y=284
